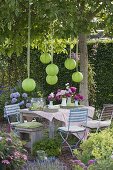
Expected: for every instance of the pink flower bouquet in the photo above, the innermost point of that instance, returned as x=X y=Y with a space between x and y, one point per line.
x=51 y=96
x=78 y=97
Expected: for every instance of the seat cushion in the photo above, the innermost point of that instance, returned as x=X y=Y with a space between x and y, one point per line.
x=29 y=125
x=71 y=129
x=14 y=123
x=96 y=123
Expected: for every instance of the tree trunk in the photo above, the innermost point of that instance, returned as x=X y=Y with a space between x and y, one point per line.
x=84 y=67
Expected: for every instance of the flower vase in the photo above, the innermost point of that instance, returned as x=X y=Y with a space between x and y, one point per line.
x=76 y=102
x=68 y=101
x=50 y=103
x=63 y=103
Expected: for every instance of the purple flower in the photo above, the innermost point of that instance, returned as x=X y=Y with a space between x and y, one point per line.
x=82 y=165
x=58 y=90
x=28 y=105
x=5 y=162
x=77 y=162
x=24 y=157
x=24 y=95
x=90 y=162
x=73 y=89
x=58 y=93
x=21 y=103
x=63 y=92
x=81 y=97
x=14 y=100
x=17 y=94
x=68 y=95
x=51 y=96
x=78 y=97
x=58 y=98
x=11 y=95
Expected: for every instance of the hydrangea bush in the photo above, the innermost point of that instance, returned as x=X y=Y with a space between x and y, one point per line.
x=21 y=99
x=12 y=154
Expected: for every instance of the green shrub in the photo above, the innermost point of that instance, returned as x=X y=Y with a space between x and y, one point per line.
x=98 y=146
x=52 y=147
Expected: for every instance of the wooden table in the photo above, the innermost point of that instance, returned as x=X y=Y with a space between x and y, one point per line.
x=62 y=115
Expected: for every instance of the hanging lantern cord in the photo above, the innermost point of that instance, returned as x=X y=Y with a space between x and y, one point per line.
x=28 y=45
x=52 y=50
x=52 y=34
x=77 y=54
x=70 y=51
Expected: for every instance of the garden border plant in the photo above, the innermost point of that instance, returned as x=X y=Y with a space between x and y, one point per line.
x=99 y=147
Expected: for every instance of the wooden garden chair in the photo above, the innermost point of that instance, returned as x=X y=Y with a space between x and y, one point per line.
x=76 y=118
x=104 y=119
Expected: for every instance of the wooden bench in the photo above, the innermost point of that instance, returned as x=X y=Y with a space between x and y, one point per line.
x=31 y=132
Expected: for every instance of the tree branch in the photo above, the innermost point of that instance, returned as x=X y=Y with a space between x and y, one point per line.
x=90 y=14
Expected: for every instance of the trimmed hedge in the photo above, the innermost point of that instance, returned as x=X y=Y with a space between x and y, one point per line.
x=101 y=56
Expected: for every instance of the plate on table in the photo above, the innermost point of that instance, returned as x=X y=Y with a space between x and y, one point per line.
x=50 y=109
x=70 y=107
x=54 y=107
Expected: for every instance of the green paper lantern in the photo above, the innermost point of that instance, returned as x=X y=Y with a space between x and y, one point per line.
x=45 y=58
x=28 y=84
x=70 y=63
x=51 y=79
x=77 y=76
x=52 y=69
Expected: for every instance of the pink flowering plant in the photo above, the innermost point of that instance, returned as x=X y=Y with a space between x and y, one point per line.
x=60 y=94
x=12 y=154
x=51 y=96
x=78 y=97
x=69 y=92
x=64 y=93
x=79 y=165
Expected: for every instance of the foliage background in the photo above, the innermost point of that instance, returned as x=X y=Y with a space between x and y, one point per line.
x=13 y=69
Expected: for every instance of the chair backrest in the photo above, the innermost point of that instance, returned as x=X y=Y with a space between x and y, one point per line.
x=11 y=111
x=78 y=115
x=107 y=112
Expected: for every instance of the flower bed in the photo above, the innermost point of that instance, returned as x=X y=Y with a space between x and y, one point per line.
x=12 y=154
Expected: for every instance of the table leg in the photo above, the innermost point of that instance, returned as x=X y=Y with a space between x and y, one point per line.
x=51 y=129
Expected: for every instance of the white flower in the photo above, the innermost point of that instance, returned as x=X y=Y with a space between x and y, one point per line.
x=67 y=84
x=1 y=138
x=52 y=94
